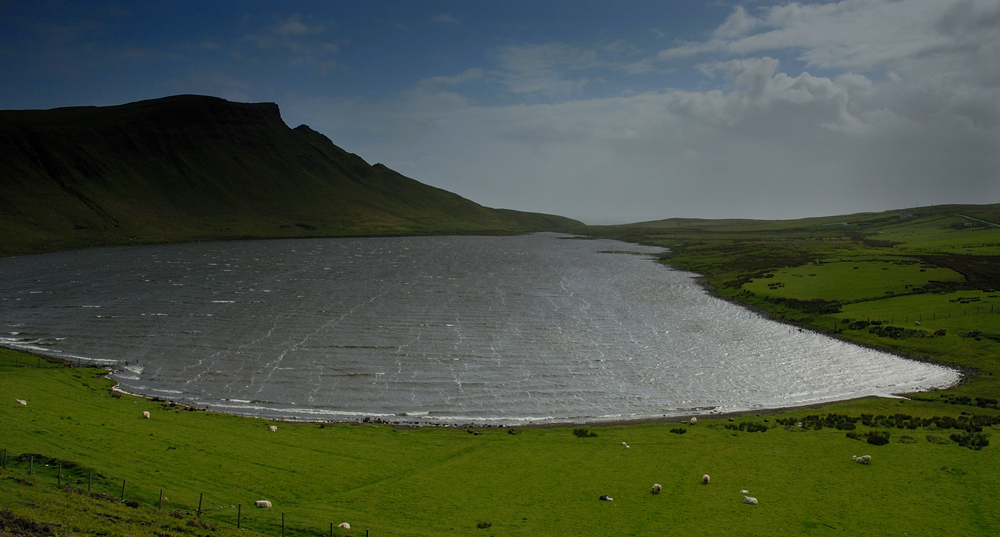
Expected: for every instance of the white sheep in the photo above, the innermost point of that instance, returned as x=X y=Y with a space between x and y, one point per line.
x=657 y=488
x=344 y=525
x=21 y=402
x=145 y=414
x=272 y=428
x=704 y=479
x=749 y=500
x=694 y=421
x=865 y=459
x=744 y=492
x=262 y=503
x=606 y=498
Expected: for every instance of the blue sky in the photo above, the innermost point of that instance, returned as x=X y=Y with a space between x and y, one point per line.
x=603 y=111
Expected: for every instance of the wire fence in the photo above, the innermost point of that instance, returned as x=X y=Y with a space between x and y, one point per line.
x=37 y=468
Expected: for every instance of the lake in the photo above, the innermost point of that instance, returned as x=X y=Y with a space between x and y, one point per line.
x=434 y=330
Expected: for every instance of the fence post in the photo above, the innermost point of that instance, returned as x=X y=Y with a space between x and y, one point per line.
x=282 y=524
x=200 y=498
x=31 y=465
x=59 y=476
x=123 y=490
x=331 y=529
x=239 y=514
x=159 y=506
x=90 y=479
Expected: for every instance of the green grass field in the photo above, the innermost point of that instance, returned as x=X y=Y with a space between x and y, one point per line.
x=436 y=481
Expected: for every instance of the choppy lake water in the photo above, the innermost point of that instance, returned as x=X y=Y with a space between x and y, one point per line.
x=449 y=330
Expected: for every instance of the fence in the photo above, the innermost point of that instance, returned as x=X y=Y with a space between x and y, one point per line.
x=63 y=473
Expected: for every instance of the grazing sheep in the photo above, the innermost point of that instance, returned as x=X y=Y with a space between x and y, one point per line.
x=606 y=498
x=21 y=402
x=694 y=421
x=657 y=488
x=344 y=525
x=854 y=457
x=865 y=459
x=272 y=428
x=262 y=503
x=704 y=479
x=749 y=500
x=145 y=414
x=744 y=492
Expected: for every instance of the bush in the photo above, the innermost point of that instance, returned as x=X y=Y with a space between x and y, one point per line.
x=678 y=430
x=584 y=432
x=975 y=441
x=878 y=438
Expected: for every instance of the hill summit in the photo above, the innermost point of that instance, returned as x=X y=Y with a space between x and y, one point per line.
x=188 y=168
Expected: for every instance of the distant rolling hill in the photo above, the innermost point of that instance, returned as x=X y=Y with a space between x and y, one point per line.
x=190 y=168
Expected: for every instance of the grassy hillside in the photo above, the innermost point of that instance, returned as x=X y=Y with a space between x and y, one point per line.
x=195 y=168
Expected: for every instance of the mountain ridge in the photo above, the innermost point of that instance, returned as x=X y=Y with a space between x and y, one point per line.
x=188 y=167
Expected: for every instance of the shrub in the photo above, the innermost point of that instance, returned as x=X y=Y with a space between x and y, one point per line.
x=680 y=430
x=878 y=438
x=975 y=441
x=484 y=525
x=584 y=432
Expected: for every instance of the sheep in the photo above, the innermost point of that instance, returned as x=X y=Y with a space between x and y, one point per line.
x=865 y=459
x=694 y=421
x=704 y=479
x=263 y=503
x=21 y=402
x=744 y=492
x=749 y=500
x=272 y=428
x=344 y=525
x=606 y=498
x=657 y=488
x=145 y=414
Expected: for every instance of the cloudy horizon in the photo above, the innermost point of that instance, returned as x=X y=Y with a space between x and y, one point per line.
x=602 y=112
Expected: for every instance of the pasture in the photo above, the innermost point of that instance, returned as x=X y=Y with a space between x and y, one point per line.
x=435 y=481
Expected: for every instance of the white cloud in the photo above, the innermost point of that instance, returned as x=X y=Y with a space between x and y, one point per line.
x=546 y=68
x=295 y=27
x=738 y=24
x=444 y=18
x=903 y=108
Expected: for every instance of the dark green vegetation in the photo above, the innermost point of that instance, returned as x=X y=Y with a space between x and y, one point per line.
x=191 y=168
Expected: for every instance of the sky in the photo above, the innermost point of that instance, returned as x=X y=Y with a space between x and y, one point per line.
x=604 y=111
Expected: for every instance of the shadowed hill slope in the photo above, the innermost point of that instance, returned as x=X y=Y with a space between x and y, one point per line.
x=190 y=168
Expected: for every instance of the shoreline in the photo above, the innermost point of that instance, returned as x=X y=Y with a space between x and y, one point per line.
x=701 y=280
x=963 y=372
